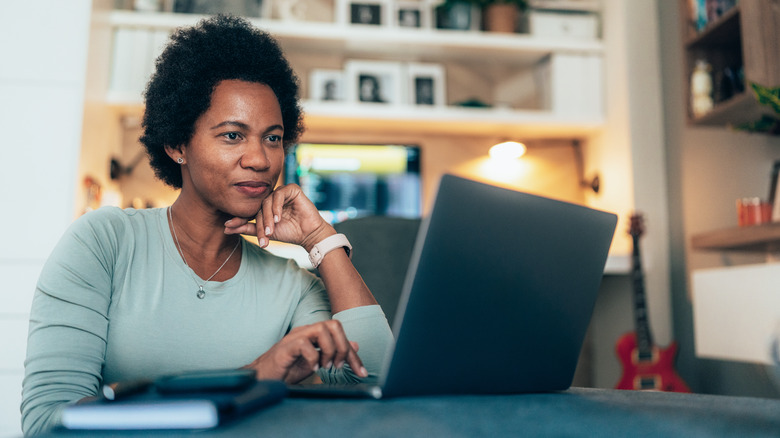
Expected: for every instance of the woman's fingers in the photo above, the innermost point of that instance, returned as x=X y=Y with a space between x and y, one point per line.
x=345 y=351
x=334 y=348
x=308 y=361
x=271 y=213
x=324 y=341
x=287 y=215
x=356 y=364
x=239 y=225
x=340 y=339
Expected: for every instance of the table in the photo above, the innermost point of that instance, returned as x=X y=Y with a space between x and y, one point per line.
x=572 y=413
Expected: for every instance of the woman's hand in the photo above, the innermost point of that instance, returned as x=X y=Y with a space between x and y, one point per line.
x=305 y=350
x=286 y=215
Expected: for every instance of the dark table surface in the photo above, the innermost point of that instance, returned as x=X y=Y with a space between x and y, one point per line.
x=572 y=413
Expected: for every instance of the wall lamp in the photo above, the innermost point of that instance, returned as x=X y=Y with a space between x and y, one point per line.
x=593 y=183
x=512 y=150
x=508 y=150
x=117 y=169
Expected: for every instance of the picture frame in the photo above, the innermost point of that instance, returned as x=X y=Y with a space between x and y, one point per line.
x=425 y=85
x=461 y=16
x=244 y=8
x=364 y=12
x=301 y=10
x=412 y=14
x=326 y=85
x=374 y=82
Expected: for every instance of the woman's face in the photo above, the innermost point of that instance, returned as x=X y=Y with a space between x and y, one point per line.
x=236 y=154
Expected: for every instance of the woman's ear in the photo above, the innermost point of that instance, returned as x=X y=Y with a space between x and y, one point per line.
x=176 y=153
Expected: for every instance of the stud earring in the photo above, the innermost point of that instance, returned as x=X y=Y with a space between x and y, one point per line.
x=180 y=160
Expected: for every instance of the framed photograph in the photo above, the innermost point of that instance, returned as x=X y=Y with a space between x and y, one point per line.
x=301 y=10
x=458 y=16
x=245 y=8
x=326 y=85
x=364 y=12
x=377 y=82
x=425 y=84
x=411 y=14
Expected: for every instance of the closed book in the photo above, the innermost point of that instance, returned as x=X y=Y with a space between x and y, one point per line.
x=155 y=409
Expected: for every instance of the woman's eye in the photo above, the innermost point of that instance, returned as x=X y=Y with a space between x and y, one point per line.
x=275 y=139
x=233 y=136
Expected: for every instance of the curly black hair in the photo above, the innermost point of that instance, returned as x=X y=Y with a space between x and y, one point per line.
x=195 y=61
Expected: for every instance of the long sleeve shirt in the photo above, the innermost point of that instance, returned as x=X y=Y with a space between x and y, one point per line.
x=116 y=302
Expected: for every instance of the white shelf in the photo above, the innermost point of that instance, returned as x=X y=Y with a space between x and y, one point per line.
x=569 y=64
x=528 y=124
x=514 y=50
x=449 y=120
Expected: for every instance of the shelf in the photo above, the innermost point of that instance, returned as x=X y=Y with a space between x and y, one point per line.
x=744 y=40
x=567 y=5
x=491 y=57
x=741 y=108
x=515 y=50
x=765 y=237
x=368 y=118
x=718 y=33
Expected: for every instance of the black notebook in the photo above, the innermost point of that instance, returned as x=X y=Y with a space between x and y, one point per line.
x=162 y=407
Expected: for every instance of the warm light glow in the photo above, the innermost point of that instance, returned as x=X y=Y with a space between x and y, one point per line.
x=377 y=159
x=508 y=150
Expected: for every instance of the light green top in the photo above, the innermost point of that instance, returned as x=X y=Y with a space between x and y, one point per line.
x=115 y=302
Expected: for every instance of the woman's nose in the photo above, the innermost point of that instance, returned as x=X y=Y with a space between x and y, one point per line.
x=255 y=157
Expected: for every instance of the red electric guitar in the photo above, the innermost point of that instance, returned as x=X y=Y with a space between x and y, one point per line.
x=645 y=365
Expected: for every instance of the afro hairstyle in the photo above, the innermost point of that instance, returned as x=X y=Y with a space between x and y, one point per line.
x=195 y=61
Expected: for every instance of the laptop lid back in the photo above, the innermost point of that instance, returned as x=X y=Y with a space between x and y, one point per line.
x=499 y=293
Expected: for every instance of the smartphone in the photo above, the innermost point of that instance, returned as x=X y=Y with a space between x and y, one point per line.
x=208 y=380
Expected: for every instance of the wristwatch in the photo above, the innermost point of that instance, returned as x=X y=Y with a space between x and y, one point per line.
x=327 y=245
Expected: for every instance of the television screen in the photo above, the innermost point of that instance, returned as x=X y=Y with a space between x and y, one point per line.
x=347 y=181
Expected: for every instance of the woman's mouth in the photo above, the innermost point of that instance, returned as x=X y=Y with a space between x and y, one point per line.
x=252 y=189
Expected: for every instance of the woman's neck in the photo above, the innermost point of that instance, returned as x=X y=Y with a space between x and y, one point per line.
x=198 y=232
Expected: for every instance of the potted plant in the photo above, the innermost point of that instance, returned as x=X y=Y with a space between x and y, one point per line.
x=499 y=15
x=768 y=123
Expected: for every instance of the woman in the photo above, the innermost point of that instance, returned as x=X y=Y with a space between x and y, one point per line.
x=129 y=294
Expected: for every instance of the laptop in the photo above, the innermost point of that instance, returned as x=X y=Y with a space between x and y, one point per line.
x=498 y=296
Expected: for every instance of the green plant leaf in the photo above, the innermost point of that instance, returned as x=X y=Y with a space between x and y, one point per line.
x=767 y=96
x=767 y=124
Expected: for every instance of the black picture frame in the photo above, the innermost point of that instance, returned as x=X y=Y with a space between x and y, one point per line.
x=409 y=17
x=366 y=13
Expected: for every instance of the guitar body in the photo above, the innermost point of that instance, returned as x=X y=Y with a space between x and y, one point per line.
x=645 y=365
x=653 y=373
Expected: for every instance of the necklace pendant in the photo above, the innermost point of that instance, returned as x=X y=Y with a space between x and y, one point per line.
x=201 y=293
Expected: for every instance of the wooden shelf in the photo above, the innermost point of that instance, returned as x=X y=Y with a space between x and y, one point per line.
x=765 y=237
x=718 y=33
x=740 y=108
x=744 y=40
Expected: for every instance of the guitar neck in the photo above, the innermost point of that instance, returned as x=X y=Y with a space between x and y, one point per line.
x=641 y=322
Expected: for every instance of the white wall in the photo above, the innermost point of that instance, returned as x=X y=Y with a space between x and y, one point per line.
x=631 y=153
x=43 y=51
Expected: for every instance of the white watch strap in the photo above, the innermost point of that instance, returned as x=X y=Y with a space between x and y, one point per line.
x=327 y=245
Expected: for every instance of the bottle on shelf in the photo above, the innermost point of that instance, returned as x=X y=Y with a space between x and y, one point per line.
x=701 y=89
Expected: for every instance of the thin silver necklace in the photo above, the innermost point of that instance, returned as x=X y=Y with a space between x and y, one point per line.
x=201 y=293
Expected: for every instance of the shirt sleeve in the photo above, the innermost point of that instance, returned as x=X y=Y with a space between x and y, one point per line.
x=68 y=323
x=366 y=325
